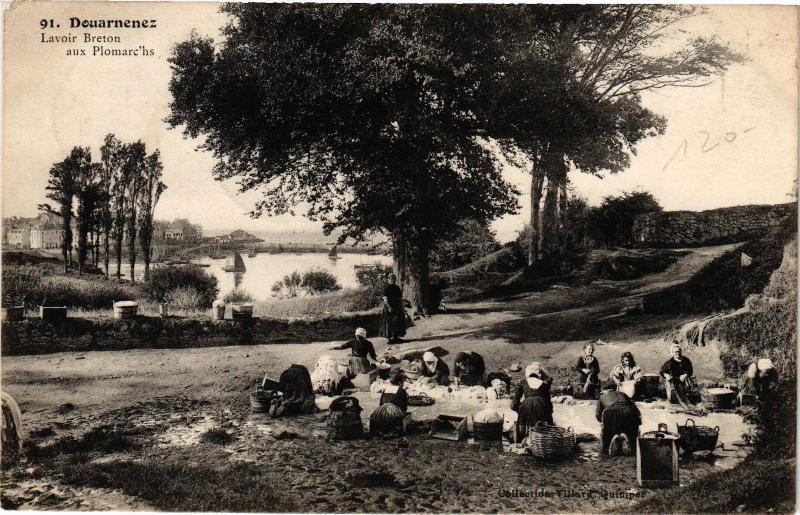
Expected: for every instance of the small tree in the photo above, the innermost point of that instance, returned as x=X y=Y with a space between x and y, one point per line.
x=111 y=157
x=611 y=223
x=152 y=189
x=61 y=189
x=318 y=281
x=134 y=174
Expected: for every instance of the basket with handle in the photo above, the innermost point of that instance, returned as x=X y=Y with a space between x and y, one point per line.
x=420 y=400
x=697 y=438
x=550 y=442
x=344 y=419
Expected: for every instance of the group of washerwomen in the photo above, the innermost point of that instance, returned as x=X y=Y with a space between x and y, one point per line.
x=616 y=409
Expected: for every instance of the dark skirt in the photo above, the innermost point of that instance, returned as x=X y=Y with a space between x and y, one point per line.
x=532 y=410
x=393 y=322
x=620 y=418
x=399 y=399
x=358 y=366
x=298 y=392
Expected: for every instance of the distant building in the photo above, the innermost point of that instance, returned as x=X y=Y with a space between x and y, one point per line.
x=223 y=239
x=47 y=236
x=19 y=236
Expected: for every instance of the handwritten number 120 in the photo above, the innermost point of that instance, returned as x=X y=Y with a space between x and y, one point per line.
x=708 y=145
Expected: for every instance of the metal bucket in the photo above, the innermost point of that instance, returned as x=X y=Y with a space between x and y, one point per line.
x=126 y=309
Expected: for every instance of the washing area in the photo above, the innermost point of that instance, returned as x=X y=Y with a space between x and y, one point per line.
x=580 y=416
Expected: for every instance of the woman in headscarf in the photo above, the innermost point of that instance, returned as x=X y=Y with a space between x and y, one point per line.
x=326 y=378
x=589 y=372
x=298 y=392
x=361 y=350
x=435 y=368
x=469 y=369
x=627 y=372
x=677 y=373
x=393 y=316
x=531 y=399
x=759 y=379
x=395 y=393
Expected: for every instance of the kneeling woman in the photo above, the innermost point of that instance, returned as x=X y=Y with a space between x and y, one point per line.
x=536 y=406
x=621 y=420
x=361 y=350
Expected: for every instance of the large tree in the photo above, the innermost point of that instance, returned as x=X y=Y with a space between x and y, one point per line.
x=367 y=113
x=151 y=191
x=133 y=174
x=61 y=190
x=111 y=158
x=89 y=197
x=571 y=92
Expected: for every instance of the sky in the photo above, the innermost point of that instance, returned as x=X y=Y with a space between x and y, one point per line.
x=732 y=142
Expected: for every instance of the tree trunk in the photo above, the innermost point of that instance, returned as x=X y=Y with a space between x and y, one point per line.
x=106 y=249
x=132 y=247
x=550 y=219
x=537 y=181
x=118 y=241
x=400 y=260
x=562 y=214
x=417 y=289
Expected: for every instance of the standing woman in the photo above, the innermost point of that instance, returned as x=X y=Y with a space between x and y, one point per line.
x=536 y=406
x=393 y=317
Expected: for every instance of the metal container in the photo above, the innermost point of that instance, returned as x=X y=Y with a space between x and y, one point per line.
x=126 y=309
x=657 y=459
x=218 y=311
x=242 y=311
x=53 y=312
x=718 y=398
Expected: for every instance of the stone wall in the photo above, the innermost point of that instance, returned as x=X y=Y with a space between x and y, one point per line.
x=34 y=336
x=699 y=228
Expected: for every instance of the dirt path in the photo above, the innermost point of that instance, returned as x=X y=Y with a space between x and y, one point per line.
x=68 y=393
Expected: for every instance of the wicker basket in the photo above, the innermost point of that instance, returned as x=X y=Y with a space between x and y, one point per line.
x=697 y=438
x=260 y=400
x=420 y=400
x=492 y=431
x=344 y=419
x=550 y=442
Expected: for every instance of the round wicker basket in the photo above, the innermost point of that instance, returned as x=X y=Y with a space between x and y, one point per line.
x=344 y=419
x=697 y=438
x=552 y=443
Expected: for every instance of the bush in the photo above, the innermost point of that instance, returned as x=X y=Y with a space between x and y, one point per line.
x=25 y=285
x=163 y=280
x=187 y=299
x=289 y=286
x=373 y=281
x=238 y=296
x=19 y=286
x=318 y=280
x=471 y=241
x=611 y=224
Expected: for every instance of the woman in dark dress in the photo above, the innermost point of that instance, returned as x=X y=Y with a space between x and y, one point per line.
x=536 y=406
x=362 y=349
x=469 y=368
x=393 y=318
x=588 y=369
x=298 y=392
x=395 y=393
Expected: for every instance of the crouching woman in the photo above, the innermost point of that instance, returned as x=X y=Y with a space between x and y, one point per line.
x=621 y=420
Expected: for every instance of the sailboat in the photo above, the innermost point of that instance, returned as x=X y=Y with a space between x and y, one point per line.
x=234 y=263
x=332 y=254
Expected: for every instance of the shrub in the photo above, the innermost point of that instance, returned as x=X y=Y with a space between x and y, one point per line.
x=187 y=299
x=611 y=224
x=318 y=280
x=373 y=281
x=470 y=242
x=289 y=286
x=20 y=284
x=163 y=280
x=238 y=296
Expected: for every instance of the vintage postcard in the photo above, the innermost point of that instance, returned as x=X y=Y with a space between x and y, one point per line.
x=299 y=257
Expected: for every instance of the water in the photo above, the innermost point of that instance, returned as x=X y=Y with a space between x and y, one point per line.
x=264 y=270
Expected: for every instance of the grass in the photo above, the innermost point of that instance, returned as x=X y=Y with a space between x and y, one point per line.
x=105 y=439
x=185 y=483
x=343 y=301
x=216 y=435
x=757 y=485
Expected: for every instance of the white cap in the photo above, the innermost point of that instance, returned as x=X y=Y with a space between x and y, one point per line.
x=764 y=364
x=429 y=357
x=533 y=368
x=361 y=332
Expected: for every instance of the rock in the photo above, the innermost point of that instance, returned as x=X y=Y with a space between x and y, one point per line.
x=585 y=437
x=284 y=434
x=703 y=456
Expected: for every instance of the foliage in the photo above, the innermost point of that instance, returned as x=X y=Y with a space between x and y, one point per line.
x=20 y=285
x=238 y=296
x=611 y=223
x=312 y=282
x=372 y=280
x=163 y=280
x=367 y=113
x=185 y=298
x=333 y=303
x=319 y=280
x=26 y=284
x=289 y=286
x=472 y=241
